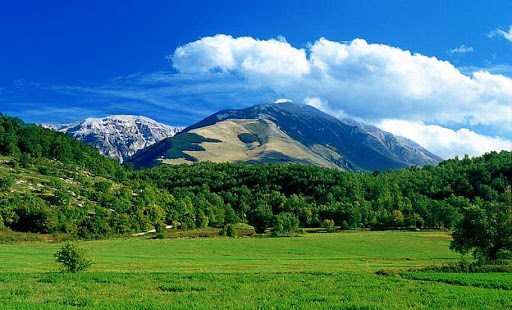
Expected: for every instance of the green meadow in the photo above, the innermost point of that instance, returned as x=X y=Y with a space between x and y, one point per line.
x=313 y=271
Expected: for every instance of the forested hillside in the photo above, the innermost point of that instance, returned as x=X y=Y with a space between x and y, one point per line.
x=52 y=183
x=428 y=197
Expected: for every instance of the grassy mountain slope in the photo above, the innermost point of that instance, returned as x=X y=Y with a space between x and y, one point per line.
x=264 y=142
x=289 y=132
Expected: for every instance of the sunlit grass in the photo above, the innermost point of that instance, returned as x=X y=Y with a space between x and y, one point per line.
x=315 y=271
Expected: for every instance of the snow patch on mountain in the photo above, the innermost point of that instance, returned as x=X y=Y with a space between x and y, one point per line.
x=118 y=136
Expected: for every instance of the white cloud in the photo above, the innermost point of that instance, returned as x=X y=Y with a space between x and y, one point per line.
x=316 y=103
x=247 y=55
x=364 y=80
x=323 y=106
x=463 y=49
x=282 y=100
x=358 y=79
x=500 y=32
x=445 y=142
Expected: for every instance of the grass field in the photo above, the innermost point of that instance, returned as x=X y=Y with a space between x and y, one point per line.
x=314 y=271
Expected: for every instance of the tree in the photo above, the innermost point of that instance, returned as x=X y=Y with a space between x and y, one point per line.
x=485 y=230
x=398 y=218
x=72 y=257
x=284 y=223
x=261 y=217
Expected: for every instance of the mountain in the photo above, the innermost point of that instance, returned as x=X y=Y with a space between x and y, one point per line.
x=286 y=132
x=118 y=136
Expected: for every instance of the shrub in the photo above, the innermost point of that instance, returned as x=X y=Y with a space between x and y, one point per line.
x=160 y=228
x=229 y=230
x=465 y=266
x=103 y=186
x=6 y=183
x=261 y=216
x=72 y=256
x=329 y=224
x=44 y=170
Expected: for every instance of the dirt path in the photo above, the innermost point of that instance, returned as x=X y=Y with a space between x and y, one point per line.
x=151 y=231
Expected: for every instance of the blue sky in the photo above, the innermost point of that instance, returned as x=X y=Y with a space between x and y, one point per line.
x=62 y=61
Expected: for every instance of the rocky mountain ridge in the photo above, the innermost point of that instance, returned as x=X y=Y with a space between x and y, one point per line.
x=118 y=136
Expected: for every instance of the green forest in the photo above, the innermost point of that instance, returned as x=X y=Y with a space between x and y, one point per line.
x=52 y=183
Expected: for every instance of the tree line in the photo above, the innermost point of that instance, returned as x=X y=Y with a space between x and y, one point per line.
x=107 y=199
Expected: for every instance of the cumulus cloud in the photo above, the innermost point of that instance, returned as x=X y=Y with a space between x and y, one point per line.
x=463 y=49
x=358 y=79
x=247 y=55
x=444 y=142
x=363 y=80
x=500 y=32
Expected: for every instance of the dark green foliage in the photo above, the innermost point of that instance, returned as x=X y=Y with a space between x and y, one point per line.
x=465 y=266
x=72 y=256
x=45 y=170
x=171 y=148
x=229 y=230
x=102 y=186
x=344 y=225
x=248 y=137
x=485 y=230
x=484 y=278
x=86 y=195
x=25 y=141
x=284 y=223
x=6 y=183
x=261 y=217
x=160 y=230
x=411 y=198
x=25 y=160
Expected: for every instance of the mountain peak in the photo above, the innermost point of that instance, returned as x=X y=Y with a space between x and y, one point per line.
x=118 y=136
x=290 y=132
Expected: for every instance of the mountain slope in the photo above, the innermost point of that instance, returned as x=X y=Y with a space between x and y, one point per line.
x=288 y=132
x=118 y=136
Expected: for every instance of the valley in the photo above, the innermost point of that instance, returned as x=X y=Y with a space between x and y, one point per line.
x=315 y=271
x=266 y=155
x=270 y=234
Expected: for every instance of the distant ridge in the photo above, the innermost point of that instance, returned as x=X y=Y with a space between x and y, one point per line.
x=118 y=136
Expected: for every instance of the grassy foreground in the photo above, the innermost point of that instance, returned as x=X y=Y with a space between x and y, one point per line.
x=316 y=271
